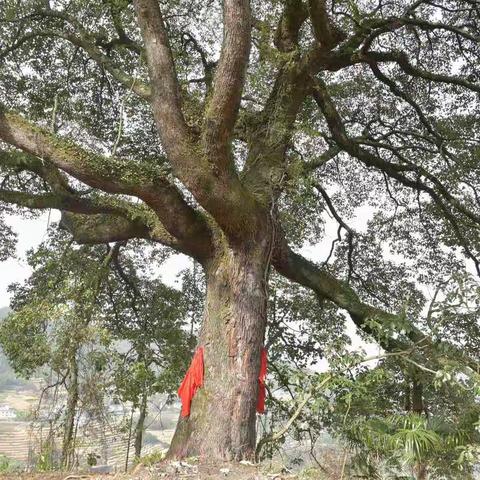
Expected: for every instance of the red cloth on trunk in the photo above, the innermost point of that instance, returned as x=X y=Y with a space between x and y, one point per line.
x=261 y=381
x=192 y=382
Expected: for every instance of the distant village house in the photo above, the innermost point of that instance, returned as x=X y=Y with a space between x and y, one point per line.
x=7 y=412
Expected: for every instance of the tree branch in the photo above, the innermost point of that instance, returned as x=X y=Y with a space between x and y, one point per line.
x=215 y=187
x=322 y=159
x=96 y=218
x=18 y=162
x=113 y=175
x=403 y=62
x=439 y=195
x=222 y=110
x=166 y=100
x=293 y=16
x=270 y=131
x=298 y=269
x=325 y=31
x=69 y=203
x=84 y=41
x=103 y=228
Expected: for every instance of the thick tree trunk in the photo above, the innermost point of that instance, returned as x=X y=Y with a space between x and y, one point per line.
x=417 y=397
x=139 y=428
x=421 y=472
x=221 y=425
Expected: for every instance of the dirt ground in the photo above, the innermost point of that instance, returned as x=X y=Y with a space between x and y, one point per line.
x=176 y=470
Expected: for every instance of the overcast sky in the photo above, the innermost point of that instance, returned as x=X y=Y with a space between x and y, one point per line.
x=31 y=232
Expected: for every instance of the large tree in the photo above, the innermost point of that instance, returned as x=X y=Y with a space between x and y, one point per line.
x=144 y=119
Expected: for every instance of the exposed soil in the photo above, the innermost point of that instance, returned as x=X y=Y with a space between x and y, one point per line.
x=21 y=399
x=225 y=471
x=171 y=471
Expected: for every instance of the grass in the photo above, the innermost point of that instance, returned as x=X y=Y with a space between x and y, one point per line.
x=7 y=465
x=151 y=458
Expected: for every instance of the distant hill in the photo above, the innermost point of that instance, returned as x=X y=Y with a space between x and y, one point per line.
x=4 y=312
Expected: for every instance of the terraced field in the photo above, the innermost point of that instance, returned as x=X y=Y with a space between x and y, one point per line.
x=19 y=442
x=15 y=440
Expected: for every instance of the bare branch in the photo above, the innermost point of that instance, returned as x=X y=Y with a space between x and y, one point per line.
x=332 y=209
x=403 y=62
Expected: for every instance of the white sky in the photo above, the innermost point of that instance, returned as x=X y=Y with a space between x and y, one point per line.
x=31 y=232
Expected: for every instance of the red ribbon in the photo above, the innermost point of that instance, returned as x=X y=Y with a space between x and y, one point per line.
x=193 y=380
x=261 y=381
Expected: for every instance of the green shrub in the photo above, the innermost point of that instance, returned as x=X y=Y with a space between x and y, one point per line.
x=152 y=458
x=8 y=465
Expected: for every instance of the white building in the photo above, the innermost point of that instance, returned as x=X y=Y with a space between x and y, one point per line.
x=7 y=412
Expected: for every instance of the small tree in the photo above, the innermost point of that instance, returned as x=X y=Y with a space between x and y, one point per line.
x=89 y=310
x=53 y=321
x=150 y=319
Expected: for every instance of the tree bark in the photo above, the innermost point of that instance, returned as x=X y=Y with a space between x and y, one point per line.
x=418 y=407
x=421 y=472
x=70 y=413
x=139 y=428
x=417 y=397
x=221 y=425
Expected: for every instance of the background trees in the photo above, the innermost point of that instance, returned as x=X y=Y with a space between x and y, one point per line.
x=100 y=329
x=396 y=414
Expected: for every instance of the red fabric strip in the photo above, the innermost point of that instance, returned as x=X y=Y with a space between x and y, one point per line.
x=192 y=382
x=261 y=381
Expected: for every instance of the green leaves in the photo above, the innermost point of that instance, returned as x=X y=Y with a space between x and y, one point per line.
x=410 y=439
x=24 y=339
x=8 y=240
x=468 y=456
x=415 y=438
x=102 y=311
